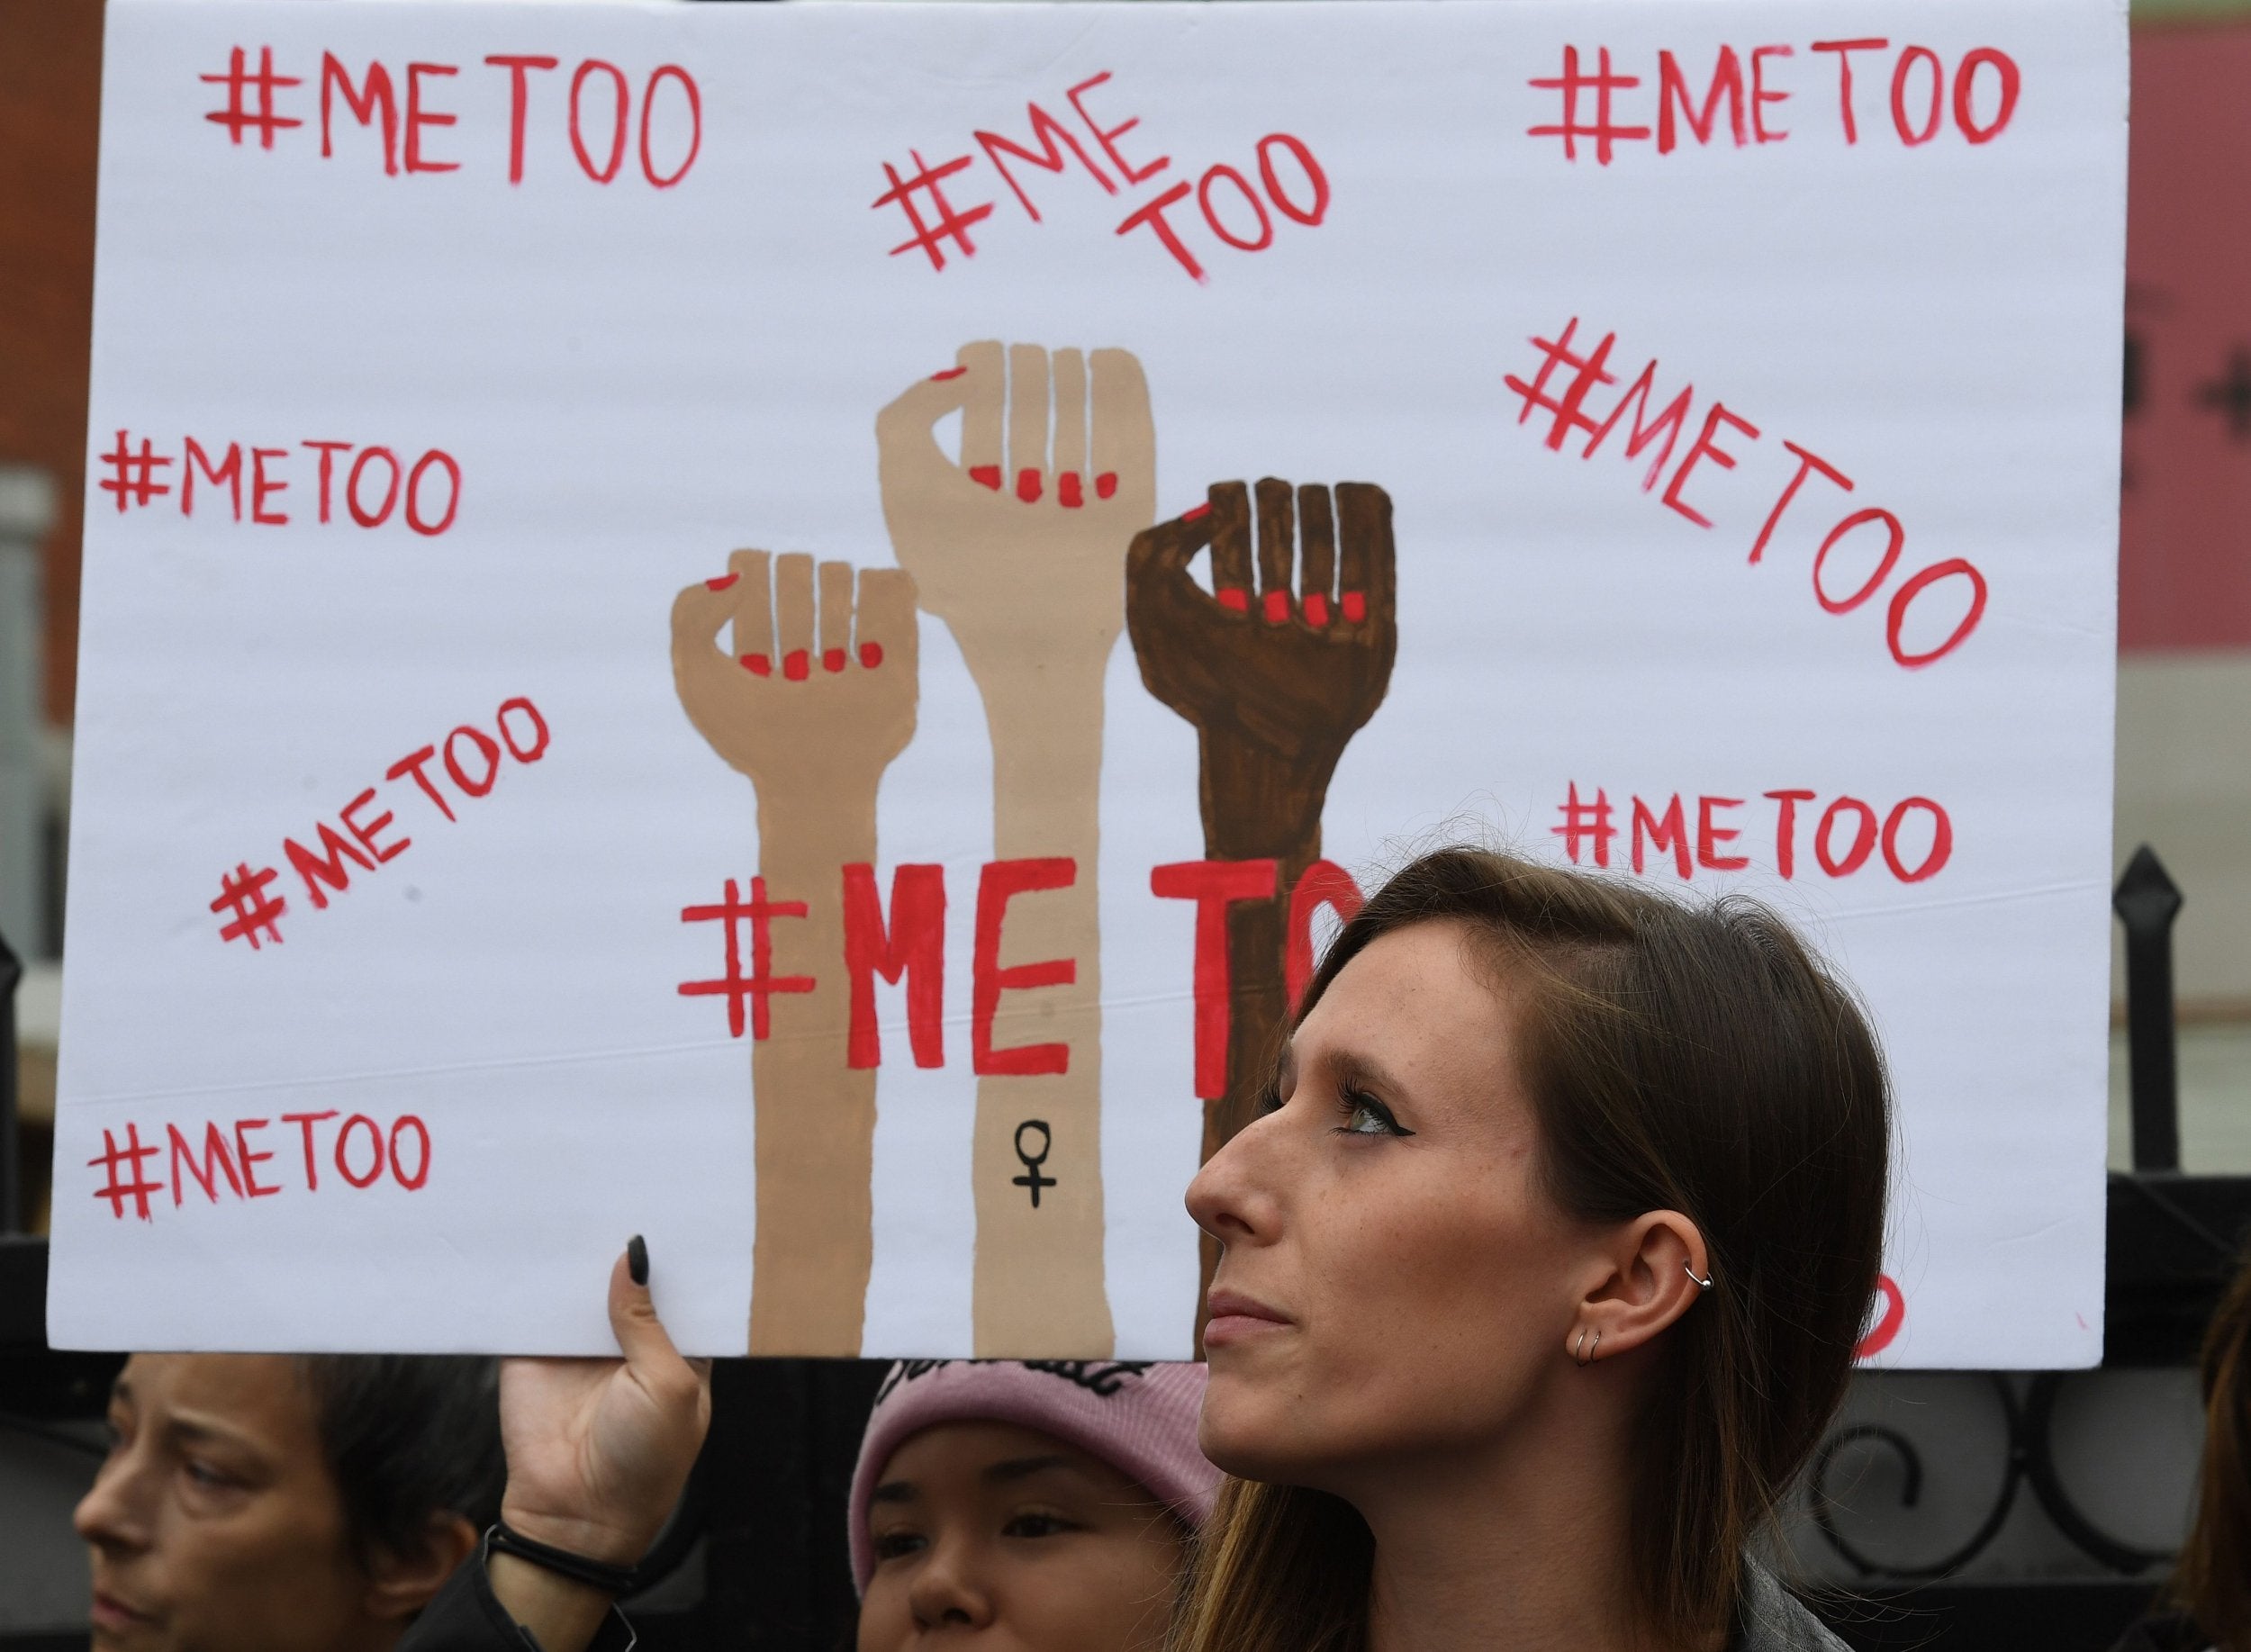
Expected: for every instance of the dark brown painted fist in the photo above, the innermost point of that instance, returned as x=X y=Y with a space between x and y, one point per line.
x=1287 y=667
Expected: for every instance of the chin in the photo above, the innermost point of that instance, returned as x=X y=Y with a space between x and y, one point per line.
x=1255 y=1430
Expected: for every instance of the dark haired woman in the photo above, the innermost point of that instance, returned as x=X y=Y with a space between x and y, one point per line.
x=1543 y=1273
x=2208 y=1603
x=264 y=1503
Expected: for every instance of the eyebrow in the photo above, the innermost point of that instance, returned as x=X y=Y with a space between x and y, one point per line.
x=198 y=1431
x=1357 y=1072
x=895 y=1491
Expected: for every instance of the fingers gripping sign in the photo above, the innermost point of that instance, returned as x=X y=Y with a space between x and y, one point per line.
x=598 y=1453
x=802 y=676
x=1277 y=666
x=1019 y=545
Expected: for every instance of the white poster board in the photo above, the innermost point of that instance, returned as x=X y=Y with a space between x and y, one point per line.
x=1696 y=435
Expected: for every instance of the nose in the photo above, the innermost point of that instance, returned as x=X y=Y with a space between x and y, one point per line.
x=113 y=1516
x=1232 y=1198
x=949 y=1589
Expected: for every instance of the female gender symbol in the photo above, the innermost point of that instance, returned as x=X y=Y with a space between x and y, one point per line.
x=1032 y=1178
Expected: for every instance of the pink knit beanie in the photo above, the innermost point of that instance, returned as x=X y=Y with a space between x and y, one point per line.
x=1135 y=1414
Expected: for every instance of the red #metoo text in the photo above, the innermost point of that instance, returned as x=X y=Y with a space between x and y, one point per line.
x=1599 y=105
x=1932 y=611
x=1277 y=185
x=367 y=486
x=1844 y=834
x=248 y=1159
x=400 y=113
x=460 y=770
x=908 y=944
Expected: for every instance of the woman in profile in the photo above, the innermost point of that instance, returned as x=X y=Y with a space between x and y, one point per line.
x=1543 y=1271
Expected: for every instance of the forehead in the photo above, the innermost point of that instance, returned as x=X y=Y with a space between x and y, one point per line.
x=1421 y=1003
x=260 y=1395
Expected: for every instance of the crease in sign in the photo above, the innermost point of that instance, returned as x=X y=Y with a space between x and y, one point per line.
x=2076 y=886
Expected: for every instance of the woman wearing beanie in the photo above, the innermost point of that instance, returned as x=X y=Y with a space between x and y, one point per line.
x=1047 y=1505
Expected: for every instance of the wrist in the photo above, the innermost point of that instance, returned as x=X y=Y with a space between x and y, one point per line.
x=601 y=1541
x=1261 y=805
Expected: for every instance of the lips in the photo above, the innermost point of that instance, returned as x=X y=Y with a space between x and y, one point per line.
x=1236 y=1318
x=113 y=1615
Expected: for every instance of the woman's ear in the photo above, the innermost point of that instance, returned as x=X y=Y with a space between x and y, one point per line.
x=1658 y=1269
x=400 y=1585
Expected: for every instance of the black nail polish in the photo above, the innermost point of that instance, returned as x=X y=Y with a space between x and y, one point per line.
x=637 y=1259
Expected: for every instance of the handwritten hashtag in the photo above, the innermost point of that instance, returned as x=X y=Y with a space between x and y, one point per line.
x=243 y=893
x=238 y=80
x=1586 y=374
x=761 y=982
x=1571 y=83
x=130 y=1157
x=132 y=475
x=951 y=224
x=1583 y=821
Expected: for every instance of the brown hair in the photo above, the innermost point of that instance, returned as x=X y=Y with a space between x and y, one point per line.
x=1695 y=1058
x=2209 y=1580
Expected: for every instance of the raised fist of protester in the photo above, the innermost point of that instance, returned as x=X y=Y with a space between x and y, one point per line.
x=598 y=1453
x=1278 y=672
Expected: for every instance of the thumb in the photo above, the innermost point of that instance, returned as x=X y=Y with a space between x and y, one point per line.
x=641 y=1335
x=905 y=430
x=1165 y=550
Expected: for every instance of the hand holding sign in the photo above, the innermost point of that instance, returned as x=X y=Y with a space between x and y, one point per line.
x=598 y=1451
x=1020 y=548
x=813 y=702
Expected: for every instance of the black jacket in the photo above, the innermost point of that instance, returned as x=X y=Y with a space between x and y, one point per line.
x=464 y=1616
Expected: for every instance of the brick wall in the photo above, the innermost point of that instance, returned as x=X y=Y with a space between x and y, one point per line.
x=50 y=75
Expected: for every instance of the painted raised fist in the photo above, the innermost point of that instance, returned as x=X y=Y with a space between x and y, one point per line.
x=1019 y=546
x=1281 y=663
x=814 y=698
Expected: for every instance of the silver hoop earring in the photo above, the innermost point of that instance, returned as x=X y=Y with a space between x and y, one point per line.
x=1702 y=1285
x=1588 y=1357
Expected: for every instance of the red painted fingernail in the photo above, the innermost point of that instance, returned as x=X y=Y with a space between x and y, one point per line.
x=950 y=373
x=1106 y=484
x=985 y=475
x=1067 y=493
x=1277 y=607
x=834 y=660
x=797 y=665
x=1028 y=487
x=1317 y=608
x=721 y=582
x=871 y=655
x=1239 y=600
x=1355 y=607
x=758 y=665
x=1194 y=512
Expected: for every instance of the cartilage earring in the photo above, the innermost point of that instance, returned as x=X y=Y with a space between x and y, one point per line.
x=1702 y=1285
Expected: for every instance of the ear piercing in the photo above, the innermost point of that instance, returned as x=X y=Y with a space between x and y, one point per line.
x=1702 y=1285
x=1587 y=1356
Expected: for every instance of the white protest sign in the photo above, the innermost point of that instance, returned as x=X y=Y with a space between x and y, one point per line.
x=734 y=622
